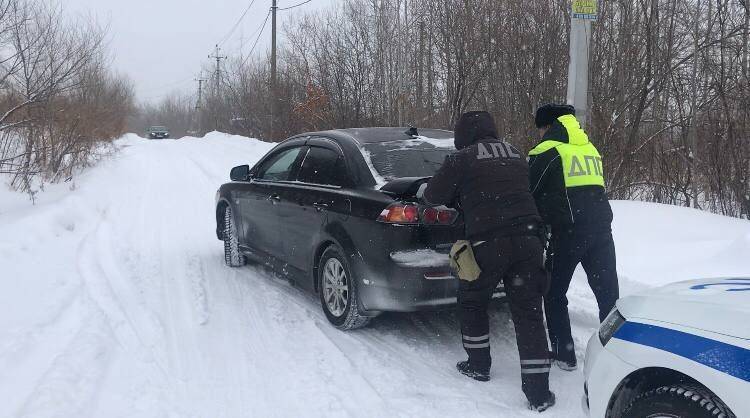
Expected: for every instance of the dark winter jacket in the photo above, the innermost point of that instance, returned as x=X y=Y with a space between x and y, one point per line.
x=567 y=178
x=487 y=180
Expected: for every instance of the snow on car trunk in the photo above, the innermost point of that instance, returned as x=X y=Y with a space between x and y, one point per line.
x=117 y=303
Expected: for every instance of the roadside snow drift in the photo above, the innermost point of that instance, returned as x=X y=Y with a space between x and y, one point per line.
x=116 y=303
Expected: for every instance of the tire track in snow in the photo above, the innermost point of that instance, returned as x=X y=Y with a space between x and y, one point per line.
x=332 y=363
x=70 y=385
x=97 y=267
x=27 y=361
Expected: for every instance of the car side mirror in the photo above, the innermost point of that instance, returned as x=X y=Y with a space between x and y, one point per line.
x=240 y=173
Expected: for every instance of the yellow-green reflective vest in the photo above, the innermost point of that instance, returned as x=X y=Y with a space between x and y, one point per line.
x=582 y=164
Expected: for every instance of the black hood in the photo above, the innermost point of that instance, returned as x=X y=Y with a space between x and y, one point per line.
x=472 y=127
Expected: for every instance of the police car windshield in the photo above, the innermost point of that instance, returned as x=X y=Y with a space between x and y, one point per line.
x=420 y=157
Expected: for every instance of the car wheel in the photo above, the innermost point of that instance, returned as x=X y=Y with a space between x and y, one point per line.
x=677 y=401
x=338 y=291
x=233 y=257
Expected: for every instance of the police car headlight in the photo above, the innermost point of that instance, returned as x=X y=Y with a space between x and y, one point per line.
x=609 y=327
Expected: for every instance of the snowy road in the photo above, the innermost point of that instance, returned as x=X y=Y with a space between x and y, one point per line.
x=116 y=302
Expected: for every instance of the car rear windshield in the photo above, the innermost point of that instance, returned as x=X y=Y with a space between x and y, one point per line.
x=420 y=157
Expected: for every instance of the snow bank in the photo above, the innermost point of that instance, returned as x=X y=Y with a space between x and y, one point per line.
x=659 y=244
x=116 y=302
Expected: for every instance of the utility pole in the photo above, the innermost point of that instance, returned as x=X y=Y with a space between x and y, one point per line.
x=198 y=103
x=401 y=97
x=218 y=57
x=217 y=73
x=274 y=92
x=693 y=132
x=584 y=12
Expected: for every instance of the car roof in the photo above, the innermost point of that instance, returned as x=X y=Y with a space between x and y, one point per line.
x=377 y=135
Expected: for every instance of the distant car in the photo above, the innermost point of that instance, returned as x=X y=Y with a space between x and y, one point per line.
x=337 y=213
x=682 y=350
x=157 y=132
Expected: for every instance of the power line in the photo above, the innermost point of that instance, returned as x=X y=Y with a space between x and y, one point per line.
x=296 y=5
x=260 y=33
x=236 y=25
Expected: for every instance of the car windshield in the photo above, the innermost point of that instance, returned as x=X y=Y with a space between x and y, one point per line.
x=419 y=157
x=158 y=128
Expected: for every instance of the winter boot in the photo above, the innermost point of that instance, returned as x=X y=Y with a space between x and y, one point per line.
x=564 y=364
x=477 y=374
x=568 y=366
x=543 y=406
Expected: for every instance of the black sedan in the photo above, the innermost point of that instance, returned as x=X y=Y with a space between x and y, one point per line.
x=337 y=213
x=157 y=132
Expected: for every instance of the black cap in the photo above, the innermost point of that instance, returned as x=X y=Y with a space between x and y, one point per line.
x=548 y=113
x=473 y=126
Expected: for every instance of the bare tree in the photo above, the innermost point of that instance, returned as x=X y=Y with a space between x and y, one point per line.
x=58 y=98
x=669 y=82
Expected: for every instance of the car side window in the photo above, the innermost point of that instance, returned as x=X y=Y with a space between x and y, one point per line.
x=280 y=166
x=323 y=166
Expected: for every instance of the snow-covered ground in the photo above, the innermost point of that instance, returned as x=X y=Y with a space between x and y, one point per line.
x=116 y=303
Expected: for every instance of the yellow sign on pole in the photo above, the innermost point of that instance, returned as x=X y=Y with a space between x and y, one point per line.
x=585 y=9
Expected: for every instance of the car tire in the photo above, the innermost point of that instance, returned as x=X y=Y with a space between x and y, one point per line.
x=233 y=257
x=681 y=401
x=338 y=291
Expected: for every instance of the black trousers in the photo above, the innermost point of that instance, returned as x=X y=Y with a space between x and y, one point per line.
x=595 y=250
x=518 y=261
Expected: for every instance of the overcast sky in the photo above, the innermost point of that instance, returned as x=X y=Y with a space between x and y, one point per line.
x=161 y=44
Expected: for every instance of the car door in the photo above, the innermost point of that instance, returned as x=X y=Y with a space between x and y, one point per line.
x=315 y=195
x=260 y=199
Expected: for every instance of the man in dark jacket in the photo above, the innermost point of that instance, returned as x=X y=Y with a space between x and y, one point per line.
x=567 y=181
x=487 y=180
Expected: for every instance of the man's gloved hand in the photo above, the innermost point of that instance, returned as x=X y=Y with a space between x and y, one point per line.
x=420 y=191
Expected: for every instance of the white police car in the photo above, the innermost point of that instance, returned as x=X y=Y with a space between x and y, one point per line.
x=682 y=350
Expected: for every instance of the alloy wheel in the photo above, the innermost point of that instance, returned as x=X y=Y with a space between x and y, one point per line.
x=335 y=287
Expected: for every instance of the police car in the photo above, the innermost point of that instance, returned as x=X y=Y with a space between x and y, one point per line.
x=682 y=350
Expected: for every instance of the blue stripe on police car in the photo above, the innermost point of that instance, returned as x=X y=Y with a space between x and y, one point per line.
x=726 y=358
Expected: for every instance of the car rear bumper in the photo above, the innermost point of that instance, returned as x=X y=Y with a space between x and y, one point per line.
x=411 y=282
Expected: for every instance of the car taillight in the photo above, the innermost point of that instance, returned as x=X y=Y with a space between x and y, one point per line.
x=432 y=216
x=446 y=217
x=399 y=213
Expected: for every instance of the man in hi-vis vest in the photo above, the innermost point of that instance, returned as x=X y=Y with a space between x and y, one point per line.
x=567 y=180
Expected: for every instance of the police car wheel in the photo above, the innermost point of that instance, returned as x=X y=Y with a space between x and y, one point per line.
x=677 y=401
x=338 y=291
x=233 y=257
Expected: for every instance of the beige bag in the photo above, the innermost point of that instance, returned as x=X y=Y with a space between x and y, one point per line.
x=463 y=261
